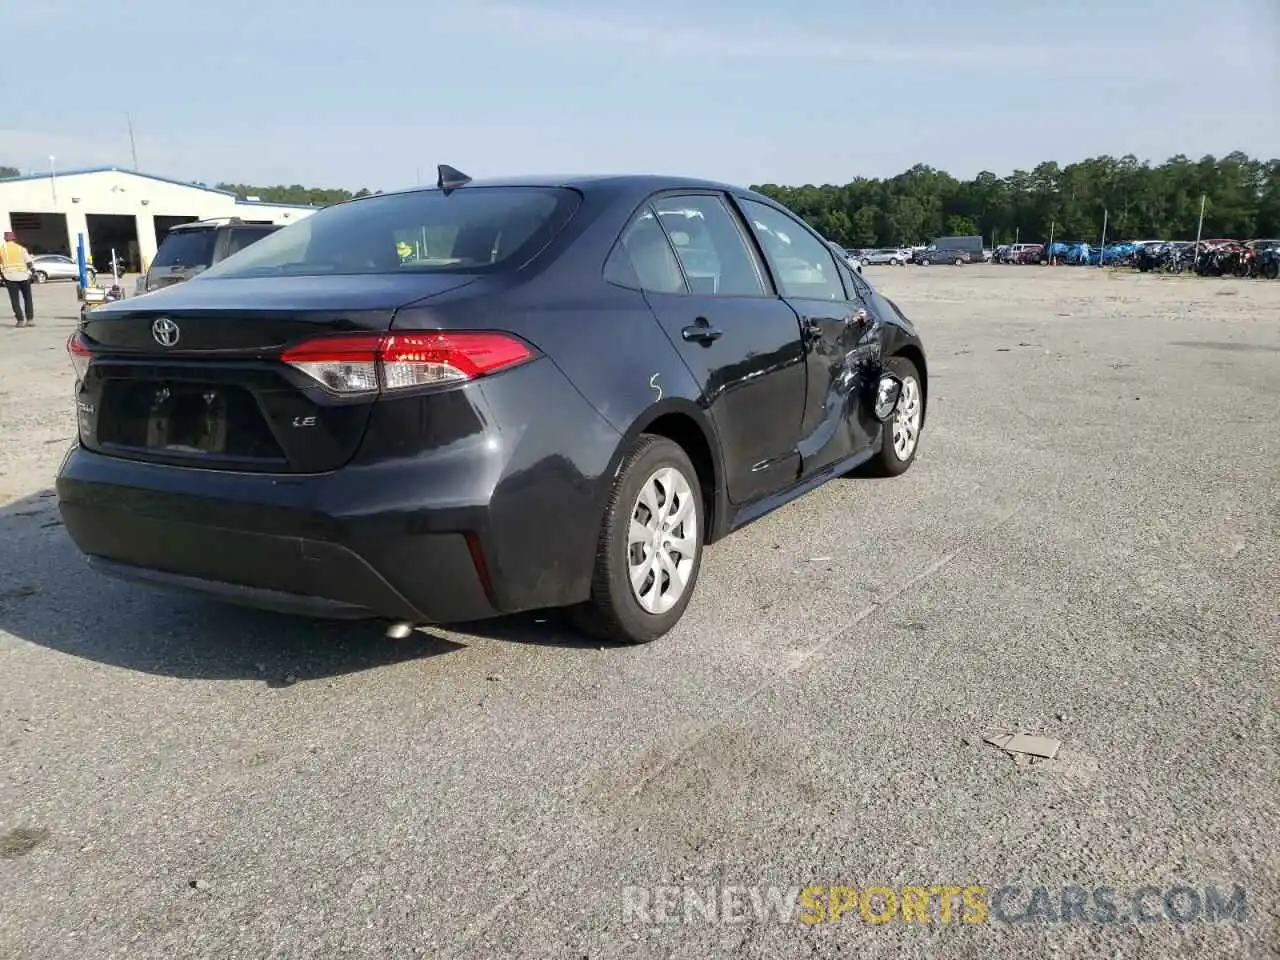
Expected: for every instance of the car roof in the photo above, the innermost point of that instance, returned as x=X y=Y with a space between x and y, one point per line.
x=217 y=223
x=620 y=183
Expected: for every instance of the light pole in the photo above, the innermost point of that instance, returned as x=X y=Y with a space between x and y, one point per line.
x=1103 y=249
x=53 y=178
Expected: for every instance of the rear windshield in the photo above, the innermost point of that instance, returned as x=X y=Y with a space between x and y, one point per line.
x=186 y=248
x=241 y=237
x=471 y=230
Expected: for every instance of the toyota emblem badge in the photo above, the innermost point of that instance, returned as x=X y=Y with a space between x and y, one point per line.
x=165 y=331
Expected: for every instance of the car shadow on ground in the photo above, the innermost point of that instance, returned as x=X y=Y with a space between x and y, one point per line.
x=49 y=597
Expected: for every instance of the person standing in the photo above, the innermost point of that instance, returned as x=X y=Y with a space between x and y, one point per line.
x=15 y=269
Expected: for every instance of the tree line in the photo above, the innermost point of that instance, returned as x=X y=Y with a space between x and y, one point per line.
x=312 y=196
x=1139 y=201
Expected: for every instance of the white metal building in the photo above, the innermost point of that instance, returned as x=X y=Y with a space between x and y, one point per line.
x=118 y=209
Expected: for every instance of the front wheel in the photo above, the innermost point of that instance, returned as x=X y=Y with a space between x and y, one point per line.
x=925 y=262
x=959 y=262
x=902 y=433
x=40 y=276
x=650 y=546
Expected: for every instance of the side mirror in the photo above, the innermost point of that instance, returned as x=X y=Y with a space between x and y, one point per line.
x=888 y=393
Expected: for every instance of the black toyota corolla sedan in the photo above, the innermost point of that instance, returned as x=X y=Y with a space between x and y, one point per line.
x=444 y=404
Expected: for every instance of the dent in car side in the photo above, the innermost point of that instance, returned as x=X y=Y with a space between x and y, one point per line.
x=887 y=333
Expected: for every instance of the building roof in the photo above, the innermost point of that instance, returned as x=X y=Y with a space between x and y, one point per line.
x=151 y=176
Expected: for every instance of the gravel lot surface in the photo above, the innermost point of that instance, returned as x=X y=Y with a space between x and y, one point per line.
x=1086 y=548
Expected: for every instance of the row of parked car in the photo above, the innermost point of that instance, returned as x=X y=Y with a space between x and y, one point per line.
x=1217 y=257
x=953 y=250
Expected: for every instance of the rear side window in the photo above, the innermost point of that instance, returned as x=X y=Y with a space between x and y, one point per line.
x=470 y=230
x=643 y=258
x=186 y=248
x=710 y=246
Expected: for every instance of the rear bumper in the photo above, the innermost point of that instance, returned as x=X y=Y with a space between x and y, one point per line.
x=438 y=519
x=260 y=541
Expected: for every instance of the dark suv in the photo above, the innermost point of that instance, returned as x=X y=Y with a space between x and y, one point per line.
x=191 y=248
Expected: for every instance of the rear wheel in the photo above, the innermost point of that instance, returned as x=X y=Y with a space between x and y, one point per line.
x=959 y=262
x=650 y=546
x=925 y=262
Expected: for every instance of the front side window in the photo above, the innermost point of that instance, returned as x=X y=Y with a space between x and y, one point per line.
x=802 y=263
x=710 y=246
x=469 y=230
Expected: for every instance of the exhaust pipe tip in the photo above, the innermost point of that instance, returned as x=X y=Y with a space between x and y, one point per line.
x=398 y=631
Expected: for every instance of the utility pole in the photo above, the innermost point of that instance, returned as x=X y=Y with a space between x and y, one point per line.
x=133 y=147
x=1199 y=231
x=1049 y=251
x=1103 y=248
x=53 y=178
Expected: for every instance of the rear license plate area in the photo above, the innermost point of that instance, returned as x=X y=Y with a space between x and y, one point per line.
x=187 y=419
x=184 y=419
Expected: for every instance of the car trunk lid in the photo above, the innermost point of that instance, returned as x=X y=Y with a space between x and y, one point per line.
x=193 y=377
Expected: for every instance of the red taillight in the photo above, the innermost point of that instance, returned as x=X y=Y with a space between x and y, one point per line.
x=368 y=363
x=80 y=355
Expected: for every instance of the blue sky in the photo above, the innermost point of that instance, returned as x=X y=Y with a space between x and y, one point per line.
x=367 y=93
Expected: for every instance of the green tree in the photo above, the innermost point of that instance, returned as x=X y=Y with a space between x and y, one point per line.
x=1141 y=200
x=314 y=196
x=9 y=172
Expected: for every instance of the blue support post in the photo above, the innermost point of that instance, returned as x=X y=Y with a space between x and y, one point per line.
x=80 y=262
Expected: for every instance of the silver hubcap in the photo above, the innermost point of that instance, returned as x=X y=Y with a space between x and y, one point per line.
x=906 y=422
x=662 y=541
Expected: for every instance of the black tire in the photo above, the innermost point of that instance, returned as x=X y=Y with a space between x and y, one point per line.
x=925 y=262
x=40 y=276
x=613 y=613
x=959 y=262
x=886 y=463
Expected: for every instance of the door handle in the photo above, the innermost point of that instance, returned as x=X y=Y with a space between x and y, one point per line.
x=700 y=331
